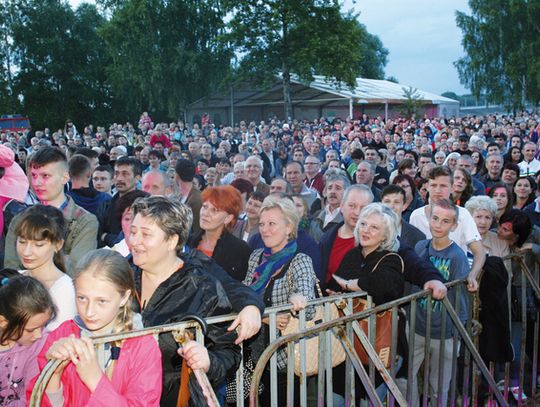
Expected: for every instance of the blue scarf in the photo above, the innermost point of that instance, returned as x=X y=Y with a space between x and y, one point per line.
x=270 y=264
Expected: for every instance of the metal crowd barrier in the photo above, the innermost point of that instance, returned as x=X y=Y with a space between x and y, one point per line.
x=473 y=381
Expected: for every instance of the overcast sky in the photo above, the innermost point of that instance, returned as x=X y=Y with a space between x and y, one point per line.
x=421 y=36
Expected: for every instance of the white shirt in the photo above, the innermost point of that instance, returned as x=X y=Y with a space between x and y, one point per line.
x=329 y=214
x=465 y=233
x=529 y=168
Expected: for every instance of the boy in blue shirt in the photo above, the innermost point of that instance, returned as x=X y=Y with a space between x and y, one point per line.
x=450 y=260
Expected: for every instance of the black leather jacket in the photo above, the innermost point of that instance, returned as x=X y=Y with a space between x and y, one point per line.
x=194 y=289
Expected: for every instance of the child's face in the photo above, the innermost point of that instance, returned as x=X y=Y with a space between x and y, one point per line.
x=33 y=330
x=98 y=302
x=442 y=221
x=36 y=253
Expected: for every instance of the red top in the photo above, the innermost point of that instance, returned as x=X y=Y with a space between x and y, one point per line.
x=339 y=249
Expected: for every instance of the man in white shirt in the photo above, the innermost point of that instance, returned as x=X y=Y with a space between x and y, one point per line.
x=530 y=165
x=465 y=235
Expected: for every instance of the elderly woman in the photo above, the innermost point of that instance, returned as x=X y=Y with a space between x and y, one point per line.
x=451 y=160
x=219 y=212
x=171 y=286
x=279 y=274
x=483 y=209
x=373 y=266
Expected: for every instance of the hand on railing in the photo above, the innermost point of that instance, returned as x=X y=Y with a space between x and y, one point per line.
x=196 y=355
x=298 y=301
x=438 y=289
x=248 y=323
x=282 y=320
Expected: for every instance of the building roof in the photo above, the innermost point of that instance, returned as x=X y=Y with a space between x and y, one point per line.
x=318 y=92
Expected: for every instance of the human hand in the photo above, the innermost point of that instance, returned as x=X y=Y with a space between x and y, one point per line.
x=86 y=363
x=347 y=285
x=248 y=323
x=472 y=284
x=62 y=349
x=298 y=301
x=282 y=320
x=196 y=355
x=438 y=289
x=331 y=292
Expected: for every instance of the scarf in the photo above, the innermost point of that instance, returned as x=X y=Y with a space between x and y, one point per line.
x=270 y=264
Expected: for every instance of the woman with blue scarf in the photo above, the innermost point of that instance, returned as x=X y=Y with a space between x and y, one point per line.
x=280 y=275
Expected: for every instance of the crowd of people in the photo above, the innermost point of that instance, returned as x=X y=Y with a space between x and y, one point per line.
x=112 y=229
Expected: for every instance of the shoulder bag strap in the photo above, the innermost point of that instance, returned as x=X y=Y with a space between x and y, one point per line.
x=389 y=254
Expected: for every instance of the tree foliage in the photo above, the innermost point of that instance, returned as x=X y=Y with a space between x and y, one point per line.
x=164 y=54
x=501 y=40
x=412 y=103
x=304 y=37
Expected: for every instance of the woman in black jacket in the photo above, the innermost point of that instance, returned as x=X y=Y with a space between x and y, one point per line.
x=171 y=286
x=219 y=212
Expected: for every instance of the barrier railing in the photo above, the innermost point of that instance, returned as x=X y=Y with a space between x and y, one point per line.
x=473 y=380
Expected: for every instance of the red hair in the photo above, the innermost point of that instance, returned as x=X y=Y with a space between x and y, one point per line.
x=225 y=198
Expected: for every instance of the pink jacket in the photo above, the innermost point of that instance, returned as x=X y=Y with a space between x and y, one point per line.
x=136 y=377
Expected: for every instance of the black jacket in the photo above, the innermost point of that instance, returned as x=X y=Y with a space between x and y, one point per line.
x=231 y=253
x=109 y=222
x=192 y=290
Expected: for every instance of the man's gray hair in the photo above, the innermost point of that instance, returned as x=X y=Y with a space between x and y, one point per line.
x=360 y=188
x=336 y=176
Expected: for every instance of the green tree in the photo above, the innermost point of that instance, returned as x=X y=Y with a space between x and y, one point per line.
x=501 y=43
x=451 y=95
x=60 y=63
x=412 y=103
x=9 y=14
x=304 y=37
x=164 y=54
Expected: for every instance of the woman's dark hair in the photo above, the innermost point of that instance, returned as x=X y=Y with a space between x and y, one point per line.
x=508 y=192
x=480 y=167
x=508 y=155
x=468 y=191
x=404 y=177
x=44 y=222
x=521 y=224
x=532 y=195
x=405 y=164
x=21 y=297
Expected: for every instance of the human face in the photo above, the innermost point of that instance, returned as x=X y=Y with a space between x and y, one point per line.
x=312 y=165
x=213 y=219
x=143 y=156
x=460 y=182
x=509 y=177
x=475 y=157
x=424 y=161
x=364 y=175
x=494 y=165
x=36 y=254
x=294 y=175
x=439 y=188
x=441 y=221
x=334 y=193
x=439 y=159
x=253 y=170
x=371 y=231
x=299 y=204
x=529 y=151
x=500 y=196
x=124 y=179
x=102 y=181
x=98 y=302
x=394 y=202
x=48 y=182
x=278 y=185
x=464 y=165
x=371 y=156
x=149 y=244
x=298 y=156
x=253 y=208
x=125 y=222
x=33 y=330
x=406 y=187
x=154 y=184
x=351 y=207
x=483 y=220
x=274 y=229
x=423 y=191
x=523 y=189
x=516 y=155
x=411 y=172
x=154 y=161
x=505 y=232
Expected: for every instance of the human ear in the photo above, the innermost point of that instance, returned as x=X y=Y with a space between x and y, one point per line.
x=3 y=322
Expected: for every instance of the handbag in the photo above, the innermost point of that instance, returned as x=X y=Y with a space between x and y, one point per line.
x=231 y=385
x=312 y=344
x=383 y=327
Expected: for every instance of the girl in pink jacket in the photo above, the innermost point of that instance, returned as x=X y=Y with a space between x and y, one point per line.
x=121 y=374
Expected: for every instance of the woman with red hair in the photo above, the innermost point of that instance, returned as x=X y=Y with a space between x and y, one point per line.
x=220 y=208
